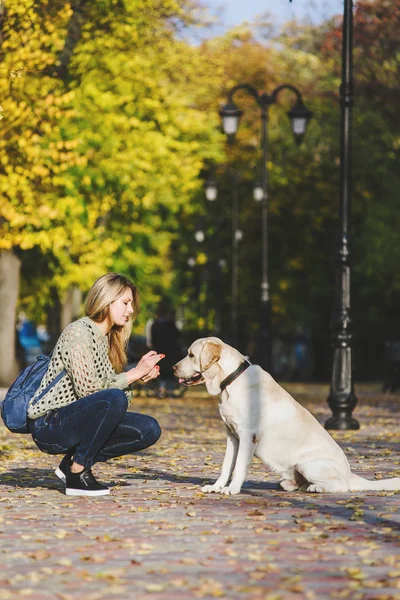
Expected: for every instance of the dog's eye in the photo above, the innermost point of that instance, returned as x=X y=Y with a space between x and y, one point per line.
x=190 y=355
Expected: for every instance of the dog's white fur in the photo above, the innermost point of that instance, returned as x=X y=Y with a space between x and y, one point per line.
x=262 y=419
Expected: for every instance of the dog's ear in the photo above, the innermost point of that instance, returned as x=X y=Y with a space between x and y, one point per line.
x=209 y=355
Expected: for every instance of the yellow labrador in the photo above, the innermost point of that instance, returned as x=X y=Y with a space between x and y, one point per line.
x=262 y=419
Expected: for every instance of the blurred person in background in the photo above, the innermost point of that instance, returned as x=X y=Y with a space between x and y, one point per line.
x=28 y=339
x=166 y=339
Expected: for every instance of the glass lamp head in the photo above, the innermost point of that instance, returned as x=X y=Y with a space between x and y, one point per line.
x=230 y=115
x=258 y=192
x=211 y=191
x=299 y=116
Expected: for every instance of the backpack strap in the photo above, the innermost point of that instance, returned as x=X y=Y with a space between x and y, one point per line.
x=50 y=385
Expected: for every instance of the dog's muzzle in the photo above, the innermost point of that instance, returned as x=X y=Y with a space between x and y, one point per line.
x=196 y=378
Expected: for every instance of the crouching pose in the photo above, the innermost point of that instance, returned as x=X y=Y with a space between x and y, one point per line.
x=262 y=419
x=84 y=414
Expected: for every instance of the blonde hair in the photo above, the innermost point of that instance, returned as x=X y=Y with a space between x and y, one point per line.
x=103 y=292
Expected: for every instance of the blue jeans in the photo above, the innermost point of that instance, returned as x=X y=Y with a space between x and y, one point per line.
x=95 y=428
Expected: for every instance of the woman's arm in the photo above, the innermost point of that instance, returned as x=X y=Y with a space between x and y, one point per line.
x=87 y=364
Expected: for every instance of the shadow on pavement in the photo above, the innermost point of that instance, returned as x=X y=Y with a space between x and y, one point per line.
x=163 y=475
x=177 y=478
x=39 y=478
x=32 y=478
x=325 y=504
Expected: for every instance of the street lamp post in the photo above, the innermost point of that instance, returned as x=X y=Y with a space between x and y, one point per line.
x=299 y=116
x=342 y=399
x=211 y=193
x=236 y=238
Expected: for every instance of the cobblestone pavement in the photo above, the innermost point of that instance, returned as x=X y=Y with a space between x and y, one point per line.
x=157 y=536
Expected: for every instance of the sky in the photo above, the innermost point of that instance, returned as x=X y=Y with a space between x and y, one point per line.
x=234 y=12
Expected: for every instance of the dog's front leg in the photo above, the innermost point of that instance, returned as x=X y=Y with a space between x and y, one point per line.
x=232 y=445
x=245 y=453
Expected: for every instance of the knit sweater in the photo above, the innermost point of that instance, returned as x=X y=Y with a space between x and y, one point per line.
x=82 y=351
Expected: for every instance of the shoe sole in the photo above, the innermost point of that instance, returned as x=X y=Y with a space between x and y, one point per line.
x=60 y=474
x=73 y=492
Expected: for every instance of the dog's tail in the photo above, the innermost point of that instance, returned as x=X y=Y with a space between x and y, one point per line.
x=359 y=484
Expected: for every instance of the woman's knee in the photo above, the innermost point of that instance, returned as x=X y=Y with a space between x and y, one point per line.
x=118 y=400
x=153 y=430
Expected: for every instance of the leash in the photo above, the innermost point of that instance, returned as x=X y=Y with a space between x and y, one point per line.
x=241 y=368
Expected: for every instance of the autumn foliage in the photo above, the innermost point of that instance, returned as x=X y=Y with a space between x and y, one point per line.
x=110 y=124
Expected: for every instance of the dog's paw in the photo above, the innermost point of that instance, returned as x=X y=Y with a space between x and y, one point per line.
x=230 y=490
x=315 y=488
x=289 y=485
x=209 y=489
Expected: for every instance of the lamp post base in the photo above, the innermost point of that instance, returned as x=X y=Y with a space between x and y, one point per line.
x=342 y=399
x=342 y=422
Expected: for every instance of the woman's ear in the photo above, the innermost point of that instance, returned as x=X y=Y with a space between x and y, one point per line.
x=209 y=355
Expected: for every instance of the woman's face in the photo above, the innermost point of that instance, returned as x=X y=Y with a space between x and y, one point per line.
x=121 y=309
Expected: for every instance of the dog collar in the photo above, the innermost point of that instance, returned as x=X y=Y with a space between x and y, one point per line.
x=242 y=367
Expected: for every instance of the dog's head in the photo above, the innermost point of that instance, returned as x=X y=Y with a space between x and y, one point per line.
x=201 y=356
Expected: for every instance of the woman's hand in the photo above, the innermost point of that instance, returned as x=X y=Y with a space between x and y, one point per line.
x=152 y=375
x=145 y=367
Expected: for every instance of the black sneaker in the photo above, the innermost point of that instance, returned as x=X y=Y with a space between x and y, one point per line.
x=61 y=470
x=84 y=484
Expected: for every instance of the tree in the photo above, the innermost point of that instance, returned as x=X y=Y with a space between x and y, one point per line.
x=96 y=163
x=28 y=162
x=304 y=182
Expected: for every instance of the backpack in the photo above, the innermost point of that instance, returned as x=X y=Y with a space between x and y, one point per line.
x=15 y=404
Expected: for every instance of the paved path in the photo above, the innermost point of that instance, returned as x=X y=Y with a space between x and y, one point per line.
x=158 y=537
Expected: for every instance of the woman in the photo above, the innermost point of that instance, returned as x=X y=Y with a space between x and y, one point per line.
x=84 y=415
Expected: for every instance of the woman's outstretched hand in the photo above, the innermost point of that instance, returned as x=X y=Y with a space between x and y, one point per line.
x=147 y=367
x=152 y=375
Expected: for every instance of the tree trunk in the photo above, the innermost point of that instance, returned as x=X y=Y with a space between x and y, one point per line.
x=9 y=289
x=74 y=32
x=54 y=317
x=71 y=306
